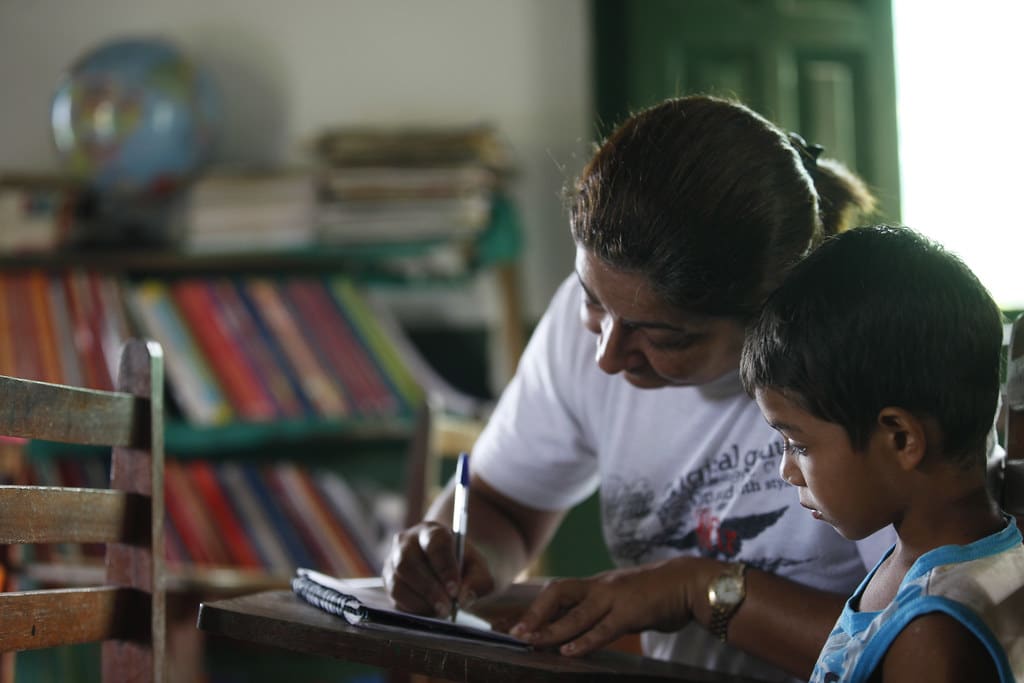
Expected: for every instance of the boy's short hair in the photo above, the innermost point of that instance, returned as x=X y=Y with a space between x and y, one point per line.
x=876 y=317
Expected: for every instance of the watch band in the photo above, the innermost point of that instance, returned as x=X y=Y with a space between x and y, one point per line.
x=723 y=611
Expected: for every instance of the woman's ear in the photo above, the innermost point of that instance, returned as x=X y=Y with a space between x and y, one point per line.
x=905 y=435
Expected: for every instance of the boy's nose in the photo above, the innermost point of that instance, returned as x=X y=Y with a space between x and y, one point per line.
x=788 y=470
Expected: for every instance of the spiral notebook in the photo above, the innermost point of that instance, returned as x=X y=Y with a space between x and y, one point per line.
x=363 y=602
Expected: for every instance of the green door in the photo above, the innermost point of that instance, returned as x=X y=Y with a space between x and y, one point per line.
x=823 y=68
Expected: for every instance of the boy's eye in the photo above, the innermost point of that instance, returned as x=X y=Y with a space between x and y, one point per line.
x=794 y=449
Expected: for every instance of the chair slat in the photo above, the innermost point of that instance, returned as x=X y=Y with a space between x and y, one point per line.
x=50 y=514
x=125 y=607
x=38 y=410
x=31 y=620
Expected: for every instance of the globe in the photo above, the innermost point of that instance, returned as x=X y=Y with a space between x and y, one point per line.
x=135 y=117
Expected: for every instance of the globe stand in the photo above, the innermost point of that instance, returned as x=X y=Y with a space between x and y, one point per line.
x=127 y=221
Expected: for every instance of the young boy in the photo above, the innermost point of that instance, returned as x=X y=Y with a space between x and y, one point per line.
x=878 y=361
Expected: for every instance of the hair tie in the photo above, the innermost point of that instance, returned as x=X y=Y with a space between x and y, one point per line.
x=808 y=153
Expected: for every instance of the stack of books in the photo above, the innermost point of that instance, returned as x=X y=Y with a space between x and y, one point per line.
x=247 y=211
x=379 y=186
x=35 y=212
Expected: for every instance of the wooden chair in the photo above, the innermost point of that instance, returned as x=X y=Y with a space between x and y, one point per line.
x=127 y=613
x=1013 y=433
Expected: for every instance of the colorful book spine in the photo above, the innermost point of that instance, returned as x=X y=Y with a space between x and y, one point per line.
x=247 y=395
x=317 y=383
x=28 y=361
x=296 y=507
x=336 y=551
x=298 y=553
x=378 y=341
x=273 y=346
x=340 y=348
x=7 y=365
x=220 y=513
x=346 y=543
x=192 y=519
x=179 y=517
x=85 y=324
x=358 y=522
x=254 y=518
x=42 y=323
x=256 y=347
x=111 y=323
x=71 y=364
x=191 y=381
x=176 y=553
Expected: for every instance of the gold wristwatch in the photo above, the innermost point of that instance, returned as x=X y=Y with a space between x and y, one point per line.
x=725 y=594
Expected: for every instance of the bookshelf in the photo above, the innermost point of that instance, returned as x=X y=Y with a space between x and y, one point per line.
x=267 y=424
x=389 y=448
x=494 y=255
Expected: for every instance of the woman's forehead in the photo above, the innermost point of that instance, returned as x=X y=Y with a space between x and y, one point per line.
x=629 y=294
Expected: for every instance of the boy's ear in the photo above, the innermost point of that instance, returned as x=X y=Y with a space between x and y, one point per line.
x=905 y=434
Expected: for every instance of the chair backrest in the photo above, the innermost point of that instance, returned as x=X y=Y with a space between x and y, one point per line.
x=127 y=613
x=1013 y=433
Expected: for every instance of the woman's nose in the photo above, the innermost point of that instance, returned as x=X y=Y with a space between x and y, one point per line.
x=613 y=352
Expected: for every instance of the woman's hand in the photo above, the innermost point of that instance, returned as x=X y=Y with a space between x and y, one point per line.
x=421 y=576
x=586 y=614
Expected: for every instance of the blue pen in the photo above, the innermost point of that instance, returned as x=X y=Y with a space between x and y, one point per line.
x=460 y=518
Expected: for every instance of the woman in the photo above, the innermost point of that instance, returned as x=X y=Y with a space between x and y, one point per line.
x=684 y=220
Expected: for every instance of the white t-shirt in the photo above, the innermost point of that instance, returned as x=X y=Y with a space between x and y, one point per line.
x=681 y=471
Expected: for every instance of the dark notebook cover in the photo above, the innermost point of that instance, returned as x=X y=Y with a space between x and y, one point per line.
x=363 y=602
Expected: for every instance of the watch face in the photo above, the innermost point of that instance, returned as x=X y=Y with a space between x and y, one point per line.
x=727 y=590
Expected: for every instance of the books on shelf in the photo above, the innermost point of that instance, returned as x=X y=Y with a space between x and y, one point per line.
x=359 y=145
x=248 y=348
x=60 y=326
x=255 y=517
x=391 y=186
x=253 y=210
x=267 y=349
x=402 y=220
x=382 y=183
x=35 y=212
x=189 y=376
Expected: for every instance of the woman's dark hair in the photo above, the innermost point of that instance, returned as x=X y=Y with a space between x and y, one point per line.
x=709 y=201
x=878 y=317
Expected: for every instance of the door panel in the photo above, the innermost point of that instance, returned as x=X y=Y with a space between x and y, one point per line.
x=823 y=68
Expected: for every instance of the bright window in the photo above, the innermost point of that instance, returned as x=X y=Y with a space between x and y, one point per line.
x=960 y=102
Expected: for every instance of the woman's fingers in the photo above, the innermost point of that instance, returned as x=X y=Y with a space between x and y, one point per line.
x=421 y=576
x=561 y=611
x=419 y=565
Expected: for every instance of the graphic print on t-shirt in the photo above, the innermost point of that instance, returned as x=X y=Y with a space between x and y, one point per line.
x=698 y=513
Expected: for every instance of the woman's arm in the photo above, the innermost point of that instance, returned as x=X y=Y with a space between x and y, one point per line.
x=780 y=621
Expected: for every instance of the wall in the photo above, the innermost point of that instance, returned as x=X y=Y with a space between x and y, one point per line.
x=289 y=69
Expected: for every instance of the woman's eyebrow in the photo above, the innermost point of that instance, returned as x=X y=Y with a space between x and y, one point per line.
x=648 y=324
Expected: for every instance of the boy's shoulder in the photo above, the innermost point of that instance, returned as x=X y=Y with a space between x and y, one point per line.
x=982 y=574
x=965 y=606
x=960 y=602
x=954 y=653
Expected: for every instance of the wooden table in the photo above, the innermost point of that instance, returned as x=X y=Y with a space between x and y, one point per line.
x=281 y=619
